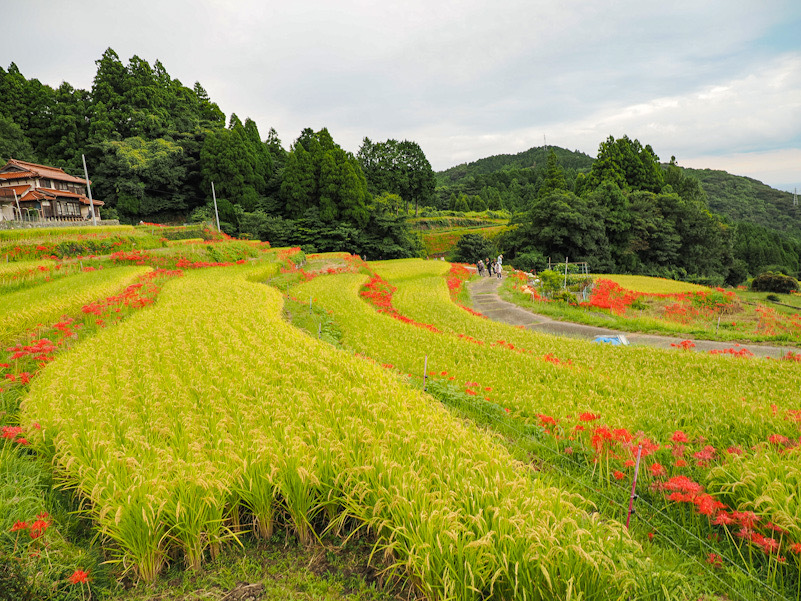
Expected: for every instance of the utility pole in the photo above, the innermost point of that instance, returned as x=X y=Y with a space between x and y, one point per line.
x=16 y=200
x=795 y=197
x=216 y=214
x=89 y=189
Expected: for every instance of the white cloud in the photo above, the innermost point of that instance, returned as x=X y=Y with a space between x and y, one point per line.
x=779 y=168
x=464 y=78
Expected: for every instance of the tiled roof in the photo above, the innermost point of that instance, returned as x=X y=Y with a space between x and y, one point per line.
x=65 y=194
x=26 y=193
x=17 y=174
x=16 y=169
x=8 y=191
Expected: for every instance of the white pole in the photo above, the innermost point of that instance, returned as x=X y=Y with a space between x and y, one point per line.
x=89 y=189
x=16 y=200
x=216 y=214
x=565 y=272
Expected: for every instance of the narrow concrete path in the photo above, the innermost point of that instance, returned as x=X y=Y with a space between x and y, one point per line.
x=485 y=300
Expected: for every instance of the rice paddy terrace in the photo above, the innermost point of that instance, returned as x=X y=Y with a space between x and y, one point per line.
x=195 y=408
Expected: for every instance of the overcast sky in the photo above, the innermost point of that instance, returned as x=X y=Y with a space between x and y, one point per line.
x=717 y=83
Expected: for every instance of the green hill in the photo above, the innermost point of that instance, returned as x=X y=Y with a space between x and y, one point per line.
x=741 y=198
x=528 y=159
x=735 y=197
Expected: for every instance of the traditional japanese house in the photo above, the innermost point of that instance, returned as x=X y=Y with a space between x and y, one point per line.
x=43 y=193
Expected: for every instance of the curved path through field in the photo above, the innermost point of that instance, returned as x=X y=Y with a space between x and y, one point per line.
x=484 y=295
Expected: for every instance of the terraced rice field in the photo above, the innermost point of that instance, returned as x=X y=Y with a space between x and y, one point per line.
x=483 y=461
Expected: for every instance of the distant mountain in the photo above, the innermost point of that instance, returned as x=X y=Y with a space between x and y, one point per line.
x=735 y=197
x=740 y=198
x=528 y=159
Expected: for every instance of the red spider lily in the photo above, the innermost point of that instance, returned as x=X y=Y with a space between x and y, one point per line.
x=776 y=528
x=723 y=519
x=622 y=435
x=657 y=469
x=550 y=358
x=19 y=526
x=796 y=548
x=568 y=450
x=747 y=519
x=38 y=528
x=778 y=439
x=682 y=484
x=588 y=417
x=705 y=455
x=546 y=419
x=707 y=505
x=735 y=450
x=11 y=432
x=716 y=561
x=78 y=576
x=685 y=345
x=679 y=436
x=619 y=475
x=737 y=352
x=680 y=463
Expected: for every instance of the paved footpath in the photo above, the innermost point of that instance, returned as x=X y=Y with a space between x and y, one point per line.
x=484 y=295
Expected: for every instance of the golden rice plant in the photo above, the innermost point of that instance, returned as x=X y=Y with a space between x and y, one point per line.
x=225 y=405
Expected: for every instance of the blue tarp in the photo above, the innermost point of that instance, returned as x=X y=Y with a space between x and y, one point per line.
x=613 y=340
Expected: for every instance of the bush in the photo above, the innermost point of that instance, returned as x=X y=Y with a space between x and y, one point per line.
x=770 y=281
x=531 y=261
x=472 y=247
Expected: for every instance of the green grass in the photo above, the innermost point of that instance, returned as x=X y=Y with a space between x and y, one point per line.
x=649 y=321
x=279 y=570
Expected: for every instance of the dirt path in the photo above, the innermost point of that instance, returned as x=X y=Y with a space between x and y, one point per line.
x=484 y=295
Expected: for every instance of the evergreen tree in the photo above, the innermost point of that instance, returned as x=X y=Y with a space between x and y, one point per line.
x=554 y=177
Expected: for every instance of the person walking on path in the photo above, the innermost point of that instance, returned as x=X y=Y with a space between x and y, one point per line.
x=489 y=268
x=480 y=267
x=498 y=270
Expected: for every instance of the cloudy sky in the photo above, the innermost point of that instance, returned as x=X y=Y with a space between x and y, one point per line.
x=717 y=83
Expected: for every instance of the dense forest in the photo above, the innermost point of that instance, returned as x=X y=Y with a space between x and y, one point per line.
x=155 y=147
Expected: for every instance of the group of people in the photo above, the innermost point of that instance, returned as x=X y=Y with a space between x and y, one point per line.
x=491 y=267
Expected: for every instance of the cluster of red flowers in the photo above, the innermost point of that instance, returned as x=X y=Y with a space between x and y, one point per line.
x=379 y=293
x=457 y=276
x=685 y=345
x=35 y=529
x=551 y=358
x=610 y=295
x=736 y=351
x=135 y=296
x=16 y=434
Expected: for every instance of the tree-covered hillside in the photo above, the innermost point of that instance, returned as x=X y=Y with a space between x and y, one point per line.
x=741 y=198
x=626 y=211
x=155 y=148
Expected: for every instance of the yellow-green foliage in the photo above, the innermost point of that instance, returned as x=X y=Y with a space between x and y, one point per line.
x=649 y=285
x=443 y=241
x=46 y=303
x=49 y=233
x=9 y=270
x=225 y=406
x=718 y=399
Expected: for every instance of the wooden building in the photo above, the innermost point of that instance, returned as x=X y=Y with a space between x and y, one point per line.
x=43 y=194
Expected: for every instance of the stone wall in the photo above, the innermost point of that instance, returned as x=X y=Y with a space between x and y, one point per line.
x=21 y=225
